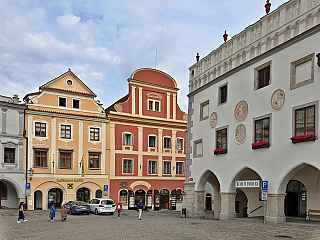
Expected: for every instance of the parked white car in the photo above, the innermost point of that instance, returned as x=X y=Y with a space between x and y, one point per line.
x=102 y=205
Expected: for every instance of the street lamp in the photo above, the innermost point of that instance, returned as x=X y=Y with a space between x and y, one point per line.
x=30 y=173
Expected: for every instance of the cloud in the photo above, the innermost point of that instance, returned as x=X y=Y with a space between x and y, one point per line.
x=103 y=42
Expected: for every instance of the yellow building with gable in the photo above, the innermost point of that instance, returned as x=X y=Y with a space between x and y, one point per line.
x=66 y=144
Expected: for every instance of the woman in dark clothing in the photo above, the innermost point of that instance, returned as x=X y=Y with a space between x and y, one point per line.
x=21 y=213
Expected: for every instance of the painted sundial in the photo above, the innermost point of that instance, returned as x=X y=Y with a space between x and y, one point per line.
x=240 y=133
x=213 y=120
x=277 y=99
x=241 y=111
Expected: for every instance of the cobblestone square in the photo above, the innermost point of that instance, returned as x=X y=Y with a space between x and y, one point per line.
x=154 y=225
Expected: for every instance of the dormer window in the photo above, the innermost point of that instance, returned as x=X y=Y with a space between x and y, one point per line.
x=154 y=105
x=62 y=102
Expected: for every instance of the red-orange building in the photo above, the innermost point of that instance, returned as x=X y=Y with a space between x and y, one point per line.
x=148 y=152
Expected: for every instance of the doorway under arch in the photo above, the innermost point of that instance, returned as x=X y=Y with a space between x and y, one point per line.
x=38 y=200
x=83 y=194
x=296 y=199
x=55 y=195
x=140 y=194
x=208 y=203
x=241 y=204
x=164 y=199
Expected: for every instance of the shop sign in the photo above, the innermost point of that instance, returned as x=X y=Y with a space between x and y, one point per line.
x=248 y=183
x=70 y=180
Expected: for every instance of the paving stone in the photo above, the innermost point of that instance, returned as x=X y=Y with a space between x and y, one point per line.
x=154 y=225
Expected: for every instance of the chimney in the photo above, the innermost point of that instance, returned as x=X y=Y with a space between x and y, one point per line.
x=15 y=99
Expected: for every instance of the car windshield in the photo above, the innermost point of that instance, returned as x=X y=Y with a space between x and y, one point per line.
x=107 y=202
x=80 y=203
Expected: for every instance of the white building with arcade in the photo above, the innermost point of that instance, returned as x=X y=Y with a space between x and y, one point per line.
x=254 y=115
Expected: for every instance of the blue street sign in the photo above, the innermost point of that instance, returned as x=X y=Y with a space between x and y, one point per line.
x=264 y=185
x=105 y=188
x=28 y=186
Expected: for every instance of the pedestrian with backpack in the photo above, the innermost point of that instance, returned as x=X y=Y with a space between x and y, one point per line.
x=119 y=208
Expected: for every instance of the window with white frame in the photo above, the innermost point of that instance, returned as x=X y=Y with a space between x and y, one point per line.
x=152 y=167
x=204 y=110
x=94 y=160
x=153 y=141
x=127 y=139
x=180 y=143
x=197 y=148
x=40 y=157
x=66 y=131
x=9 y=155
x=62 y=102
x=167 y=167
x=65 y=159
x=167 y=142
x=153 y=105
x=127 y=166
x=179 y=168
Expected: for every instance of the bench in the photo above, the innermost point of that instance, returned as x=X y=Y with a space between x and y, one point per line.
x=313 y=213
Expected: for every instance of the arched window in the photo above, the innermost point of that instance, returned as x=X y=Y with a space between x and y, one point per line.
x=123 y=196
x=99 y=194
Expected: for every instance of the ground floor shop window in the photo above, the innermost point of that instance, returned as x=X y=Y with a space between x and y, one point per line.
x=83 y=194
x=123 y=196
x=56 y=196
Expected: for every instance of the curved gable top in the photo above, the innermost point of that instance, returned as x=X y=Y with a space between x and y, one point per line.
x=154 y=76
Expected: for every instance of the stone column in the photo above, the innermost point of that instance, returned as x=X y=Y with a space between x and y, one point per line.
x=193 y=201
x=275 y=208
x=199 y=204
x=228 y=205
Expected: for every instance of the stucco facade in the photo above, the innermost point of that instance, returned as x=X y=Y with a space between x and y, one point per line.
x=265 y=76
x=148 y=152
x=66 y=144
x=12 y=177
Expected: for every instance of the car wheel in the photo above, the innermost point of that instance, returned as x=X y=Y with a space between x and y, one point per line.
x=87 y=213
x=96 y=212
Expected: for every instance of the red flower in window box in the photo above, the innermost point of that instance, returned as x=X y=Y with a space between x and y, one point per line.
x=259 y=144
x=220 y=151
x=303 y=138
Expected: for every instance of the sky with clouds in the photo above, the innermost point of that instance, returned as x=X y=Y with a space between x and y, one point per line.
x=105 y=41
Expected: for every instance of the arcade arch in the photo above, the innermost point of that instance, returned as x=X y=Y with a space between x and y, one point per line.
x=208 y=177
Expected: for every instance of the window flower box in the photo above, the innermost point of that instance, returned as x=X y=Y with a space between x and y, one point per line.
x=262 y=144
x=220 y=151
x=303 y=138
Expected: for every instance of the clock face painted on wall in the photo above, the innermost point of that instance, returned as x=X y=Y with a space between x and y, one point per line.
x=277 y=99
x=240 y=133
x=241 y=111
x=213 y=120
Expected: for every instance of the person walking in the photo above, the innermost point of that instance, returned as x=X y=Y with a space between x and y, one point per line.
x=140 y=207
x=52 y=211
x=21 y=213
x=119 y=208
x=64 y=211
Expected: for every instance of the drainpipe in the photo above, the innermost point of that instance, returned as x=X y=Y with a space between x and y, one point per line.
x=24 y=135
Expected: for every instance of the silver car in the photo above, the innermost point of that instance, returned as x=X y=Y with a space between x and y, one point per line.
x=102 y=205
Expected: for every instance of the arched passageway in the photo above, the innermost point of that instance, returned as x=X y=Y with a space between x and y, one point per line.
x=8 y=195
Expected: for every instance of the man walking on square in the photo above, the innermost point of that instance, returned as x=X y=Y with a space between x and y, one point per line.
x=119 y=208
x=140 y=207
